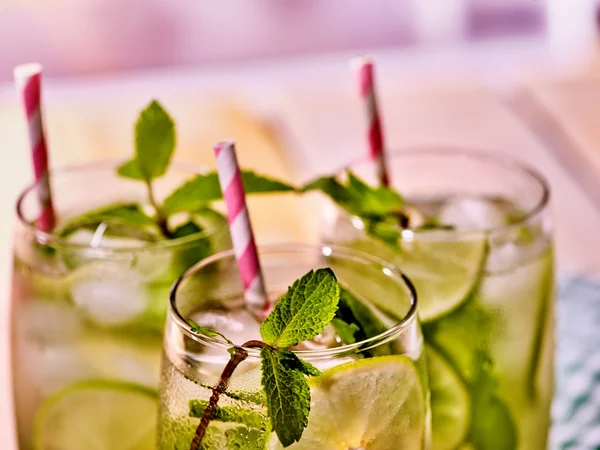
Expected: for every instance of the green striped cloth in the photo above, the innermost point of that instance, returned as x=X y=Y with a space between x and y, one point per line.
x=576 y=409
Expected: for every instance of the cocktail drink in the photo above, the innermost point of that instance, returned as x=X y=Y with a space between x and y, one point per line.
x=96 y=252
x=89 y=306
x=473 y=235
x=365 y=373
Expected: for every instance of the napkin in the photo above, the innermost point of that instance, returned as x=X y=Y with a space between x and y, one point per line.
x=576 y=409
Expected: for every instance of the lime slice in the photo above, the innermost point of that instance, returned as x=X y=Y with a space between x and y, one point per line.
x=450 y=404
x=98 y=415
x=373 y=404
x=444 y=273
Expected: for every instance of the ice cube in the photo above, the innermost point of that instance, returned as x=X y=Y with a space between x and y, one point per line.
x=238 y=325
x=109 y=293
x=151 y=264
x=47 y=320
x=470 y=213
x=48 y=367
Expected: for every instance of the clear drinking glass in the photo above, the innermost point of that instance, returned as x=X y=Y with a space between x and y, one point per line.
x=88 y=313
x=479 y=252
x=371 y=394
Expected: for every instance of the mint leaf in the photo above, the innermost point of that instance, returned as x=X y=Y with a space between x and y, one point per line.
x=386 y=230
x=154 y=144
x=492 y=427
x=373 y=201
x=292 y=362
x=193 y=194
x=206 y=331
x=331 y=187
x=354 y=311
x=130 y=169
x=303 y=311
x=346 y=331
x=205 y=188
x=288 y=395
x=257 y=184
x=357 y=197
x=186 y=229
x=248 y=417
x=128 y=214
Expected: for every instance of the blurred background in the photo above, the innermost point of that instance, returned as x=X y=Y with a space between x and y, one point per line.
x=74 y=37
x=515 y=77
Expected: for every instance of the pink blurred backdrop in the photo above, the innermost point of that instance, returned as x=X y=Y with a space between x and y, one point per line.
x=73 y=37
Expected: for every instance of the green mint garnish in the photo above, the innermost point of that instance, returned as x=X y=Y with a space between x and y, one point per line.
x=358 y=315
x=207 y=331
x=288 y=395
x=357 y=197
x=186 y=229
x=155 y=139
x=382 y=209
x=303 y=311
x=246 y=416
x=127 y=215
x=154 y=144
x=346 y=331
x=205 y=188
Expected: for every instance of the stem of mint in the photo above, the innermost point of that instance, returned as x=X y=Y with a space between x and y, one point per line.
x=238 y=355
x=161 y=219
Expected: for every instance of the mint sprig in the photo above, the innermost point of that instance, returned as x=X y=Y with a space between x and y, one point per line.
x=302 y=312
x=155 y=141
x=382 y=209
x=154 y=144
x=357 y=197
x=205 y=188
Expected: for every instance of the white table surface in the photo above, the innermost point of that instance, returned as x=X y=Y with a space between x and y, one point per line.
x=314 y=98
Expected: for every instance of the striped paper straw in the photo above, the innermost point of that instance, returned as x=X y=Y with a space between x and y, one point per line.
x=242 y=236
x=366 y=80
x=28 y=79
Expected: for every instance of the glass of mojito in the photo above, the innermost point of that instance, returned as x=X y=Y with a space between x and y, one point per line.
x=366 y=382
x=473 y=234
x=89 y=303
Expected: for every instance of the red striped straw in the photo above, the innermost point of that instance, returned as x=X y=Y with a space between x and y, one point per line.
x=242 y=236
x=28 y=78
x=366 y=79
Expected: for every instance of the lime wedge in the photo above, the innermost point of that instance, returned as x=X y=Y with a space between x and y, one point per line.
x=373 y=404
x=98 y=415
x=450 y=404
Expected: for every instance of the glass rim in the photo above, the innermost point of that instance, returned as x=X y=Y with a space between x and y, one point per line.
x=50 y=238
x=326 y=250
x=493 y=159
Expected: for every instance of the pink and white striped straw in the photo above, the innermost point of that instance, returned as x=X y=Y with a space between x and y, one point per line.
x=366 y=79
x=28 y=79
x=244 y=245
